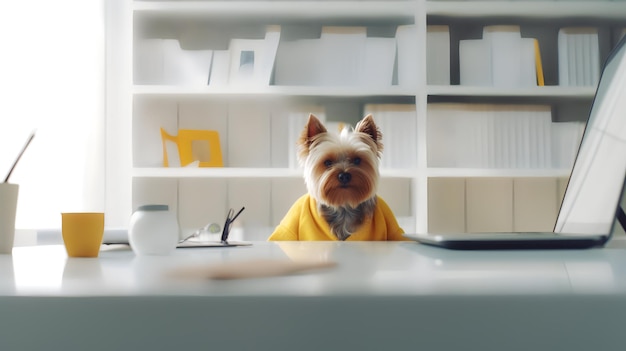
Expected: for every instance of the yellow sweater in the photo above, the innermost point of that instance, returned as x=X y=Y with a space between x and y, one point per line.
x=303 y=222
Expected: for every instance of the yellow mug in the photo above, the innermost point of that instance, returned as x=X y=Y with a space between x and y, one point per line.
x=82 y=233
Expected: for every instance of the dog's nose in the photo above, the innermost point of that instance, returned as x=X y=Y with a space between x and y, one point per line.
x=344 y=177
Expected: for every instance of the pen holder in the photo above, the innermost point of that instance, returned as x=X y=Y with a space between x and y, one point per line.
x=8 y=209
x=153 y=230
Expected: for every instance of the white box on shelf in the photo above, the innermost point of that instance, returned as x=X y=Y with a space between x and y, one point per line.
x=502 y=58
x=504 y=43
x=438 y=54
x=408 y=58
x=475 y=62
x=297 y=62
x=378 y=62
x=342 y=55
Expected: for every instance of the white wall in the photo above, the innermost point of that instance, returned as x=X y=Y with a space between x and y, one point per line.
x=52 y=80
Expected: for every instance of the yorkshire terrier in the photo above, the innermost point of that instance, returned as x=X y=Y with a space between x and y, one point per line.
x=341 y=176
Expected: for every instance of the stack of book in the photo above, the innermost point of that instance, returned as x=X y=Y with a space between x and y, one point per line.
x=502 y=58
x=397 y=123
x=438 y=54
x=579 y=56
x=499 y=136
x=341 y=56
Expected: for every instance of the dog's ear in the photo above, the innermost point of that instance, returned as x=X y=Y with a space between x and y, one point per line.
x=313 y=127
x=369 y=128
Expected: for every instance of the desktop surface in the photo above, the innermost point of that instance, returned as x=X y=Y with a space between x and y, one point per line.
x=362 y=268
x=380 y=295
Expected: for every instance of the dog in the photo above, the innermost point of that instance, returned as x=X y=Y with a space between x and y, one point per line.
x=341 y=175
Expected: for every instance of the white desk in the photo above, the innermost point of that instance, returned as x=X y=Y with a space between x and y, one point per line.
x=381 y=296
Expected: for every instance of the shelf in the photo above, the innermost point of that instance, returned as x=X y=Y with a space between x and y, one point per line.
x=182 y=172
x=273 y=90
x=263 y=118
x=531 y=92
x=306 y=91
x=533 y=9
x=506 y=173
x=268 y=91
x=160 y=172
x=280 y=10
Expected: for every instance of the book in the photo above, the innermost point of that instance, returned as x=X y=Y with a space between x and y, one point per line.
x=502 y=58
x=489 y=135
x=438 y=54
x=475 y=65
x=578 y=56
x=342 y=54
x=378 y=62
x=397 y=123
x=297 y=62
x=408 y=59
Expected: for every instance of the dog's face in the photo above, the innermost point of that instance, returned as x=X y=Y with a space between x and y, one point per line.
x=341 y=170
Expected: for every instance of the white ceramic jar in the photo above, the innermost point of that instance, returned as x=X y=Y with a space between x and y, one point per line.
x=153 y=230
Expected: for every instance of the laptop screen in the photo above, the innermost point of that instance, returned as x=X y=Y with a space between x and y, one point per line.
x=597 y=178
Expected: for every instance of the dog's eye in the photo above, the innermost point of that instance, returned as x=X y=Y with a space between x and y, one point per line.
x=356 y=161
x=328 y=163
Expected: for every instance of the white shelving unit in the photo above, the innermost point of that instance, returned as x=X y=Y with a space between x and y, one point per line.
x=201 y=195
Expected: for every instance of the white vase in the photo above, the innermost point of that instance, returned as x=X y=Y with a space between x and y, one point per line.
x=153 y=230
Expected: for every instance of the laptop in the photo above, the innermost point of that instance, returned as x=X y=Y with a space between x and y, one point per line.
x=592 y=198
